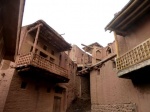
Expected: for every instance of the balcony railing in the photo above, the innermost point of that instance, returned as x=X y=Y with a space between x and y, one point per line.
x=138 y=54
x=40 y=62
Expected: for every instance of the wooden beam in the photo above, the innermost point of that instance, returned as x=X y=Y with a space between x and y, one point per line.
x=36 y=39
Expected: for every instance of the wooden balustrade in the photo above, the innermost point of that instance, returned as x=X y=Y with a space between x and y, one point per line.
x=136 y=55
x=41 y=62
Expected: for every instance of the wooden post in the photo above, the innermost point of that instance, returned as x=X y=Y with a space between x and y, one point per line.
x=36 y=39
x=116 y=43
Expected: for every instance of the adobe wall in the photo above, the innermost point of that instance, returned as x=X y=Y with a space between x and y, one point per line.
x=110 y=93
x=32 y=98
x=82 y=84
x=38 y=95
x=26 y=46
x=35 y=96
x=5 y=80
x=85 y=87
x=79 y=56
x=68 y=64
x=136 y=35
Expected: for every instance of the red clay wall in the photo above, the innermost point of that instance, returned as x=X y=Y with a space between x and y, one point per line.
x=110 y=93
x=136 y=35
x=33 y=98
x=79 y=56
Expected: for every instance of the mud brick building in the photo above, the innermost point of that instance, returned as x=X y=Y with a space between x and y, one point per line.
x=11 y=13
x=42 y=79
x=80 y=57
x=83 y=60
x=124 y=87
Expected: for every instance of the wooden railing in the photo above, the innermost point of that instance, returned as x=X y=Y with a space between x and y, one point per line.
x=136 y=55
x=41 y=62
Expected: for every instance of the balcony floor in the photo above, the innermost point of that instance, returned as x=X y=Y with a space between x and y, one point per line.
x=33 y=71
x=139 y=70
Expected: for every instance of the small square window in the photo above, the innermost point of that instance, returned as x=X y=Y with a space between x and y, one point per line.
x=37 y=87
x=98 y=72
x=48 y=90
x=31 y=49
x=52 y=59
x=52 y=52
x=113 y=64
x=45 y=47
x=23 y=85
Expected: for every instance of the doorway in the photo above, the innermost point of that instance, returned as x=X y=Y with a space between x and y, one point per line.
x=57 y=104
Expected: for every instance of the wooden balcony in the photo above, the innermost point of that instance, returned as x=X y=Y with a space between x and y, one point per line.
x=134 y=60
x=39 y=65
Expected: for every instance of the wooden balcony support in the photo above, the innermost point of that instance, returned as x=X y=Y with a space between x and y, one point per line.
x=36 y=39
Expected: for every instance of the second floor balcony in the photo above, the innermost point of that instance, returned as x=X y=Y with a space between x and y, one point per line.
x=136 y=59
x=36 y=64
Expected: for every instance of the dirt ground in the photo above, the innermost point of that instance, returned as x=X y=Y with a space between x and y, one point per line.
x=80 y=105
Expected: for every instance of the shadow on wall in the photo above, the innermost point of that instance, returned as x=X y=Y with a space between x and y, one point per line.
x=141 y=79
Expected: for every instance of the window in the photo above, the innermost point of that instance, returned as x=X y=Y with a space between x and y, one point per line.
x=37 y=87
x=60 y=59
x=48 y=90
x=108 y=50
x=52 y=59
x=45 y=47
x=113 y=64
x=98 y=72
x=66 y=60
x=36 y=50
x=31 y=49
x=59 y=90
x=52 y=52
x=23 y=85
x=43 y=55
x=98 y=54
x=82 y=61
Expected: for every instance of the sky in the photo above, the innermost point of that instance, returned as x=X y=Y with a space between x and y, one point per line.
x=79 y=21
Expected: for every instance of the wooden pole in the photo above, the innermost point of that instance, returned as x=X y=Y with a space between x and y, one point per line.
x=116 y=43
x=36 y=39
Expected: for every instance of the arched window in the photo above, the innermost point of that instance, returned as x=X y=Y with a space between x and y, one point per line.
x=98 y=54
x=108 y=51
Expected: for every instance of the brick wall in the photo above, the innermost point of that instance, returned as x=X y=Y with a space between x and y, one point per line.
x=129 y=107
x=33 y=98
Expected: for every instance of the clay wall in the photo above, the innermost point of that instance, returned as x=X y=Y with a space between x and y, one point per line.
x=27 y=46
x=79 y=56
x=138 y=33
x=110 y=93
x=85 y=87
x=28 y=94
x=5 y=80
x=68 y=64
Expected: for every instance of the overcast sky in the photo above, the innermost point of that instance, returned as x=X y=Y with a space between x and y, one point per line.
x=82 y=21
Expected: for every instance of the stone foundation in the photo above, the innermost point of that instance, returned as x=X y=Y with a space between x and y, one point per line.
x=126 y=107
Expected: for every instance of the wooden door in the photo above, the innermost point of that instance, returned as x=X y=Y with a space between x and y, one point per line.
x=57 y=104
